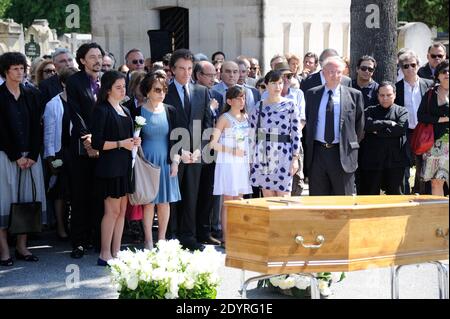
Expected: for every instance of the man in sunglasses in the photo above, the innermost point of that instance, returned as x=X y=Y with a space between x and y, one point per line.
x=436 y=54
x=364 y=80
x=410 y=91
x=134 y=60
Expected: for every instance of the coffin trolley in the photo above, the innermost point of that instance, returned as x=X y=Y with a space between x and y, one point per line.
x=305 y=235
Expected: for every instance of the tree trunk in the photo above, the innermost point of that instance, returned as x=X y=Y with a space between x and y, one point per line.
x=373 y=31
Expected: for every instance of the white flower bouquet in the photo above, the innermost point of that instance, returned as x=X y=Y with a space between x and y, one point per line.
x=166 y=272
x=296 y=285
x=139 y=123
x=57 y=163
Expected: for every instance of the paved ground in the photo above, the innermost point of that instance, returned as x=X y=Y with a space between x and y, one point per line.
x=47 y=278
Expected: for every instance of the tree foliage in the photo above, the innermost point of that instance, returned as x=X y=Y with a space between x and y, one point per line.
x=433 y=13
x=26 y=11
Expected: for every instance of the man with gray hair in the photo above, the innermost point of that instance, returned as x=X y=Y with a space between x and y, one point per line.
x=318 y=78
x=332 y=139
x=410 y=91
x=436 y=54
x=62 y=58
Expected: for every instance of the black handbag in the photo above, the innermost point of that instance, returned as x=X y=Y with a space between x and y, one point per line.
x=25 y=217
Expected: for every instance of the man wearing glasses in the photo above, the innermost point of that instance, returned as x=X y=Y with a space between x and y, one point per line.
x=134 y=60
x=436 y=54
x=410 y=91
x=364 y=82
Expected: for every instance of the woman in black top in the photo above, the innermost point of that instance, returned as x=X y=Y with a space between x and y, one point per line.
x=20 y=144
x=383 y=157
x=112 y=134
x=434 y=109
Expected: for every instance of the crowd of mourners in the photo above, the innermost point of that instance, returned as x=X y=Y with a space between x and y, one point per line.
x=218 y=129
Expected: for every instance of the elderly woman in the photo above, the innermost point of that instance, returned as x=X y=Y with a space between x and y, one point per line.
x=277 y=124
x=56 y=147
x=434 y=109
x=20 y=144
x=383 y=155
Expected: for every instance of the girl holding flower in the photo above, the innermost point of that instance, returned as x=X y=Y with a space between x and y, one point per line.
x=112 y=134
x=230 y=139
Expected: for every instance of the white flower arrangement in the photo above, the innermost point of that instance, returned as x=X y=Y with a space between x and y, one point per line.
x=298 y=286
x=57 y=163
x=166 y=272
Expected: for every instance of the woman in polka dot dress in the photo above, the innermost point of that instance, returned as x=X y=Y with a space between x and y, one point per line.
x=275 y=160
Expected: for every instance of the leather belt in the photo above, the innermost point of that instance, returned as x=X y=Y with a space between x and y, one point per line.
x=326 y=145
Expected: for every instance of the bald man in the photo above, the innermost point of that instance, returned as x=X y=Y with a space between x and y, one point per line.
x=335 y=126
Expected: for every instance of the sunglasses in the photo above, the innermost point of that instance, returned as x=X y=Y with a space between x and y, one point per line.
x=406 y=66
x=140 y=61
x=49 y=71
x=287 y=76
x=159 y=90
x=254 y=68
x=445 y=71
x=366 y=68
x=436 y=56
x=262 y=86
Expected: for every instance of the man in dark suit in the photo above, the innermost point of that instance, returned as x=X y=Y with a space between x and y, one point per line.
x=335 y=126
x=87 y=208
x=318 y=78
x=410 y=91
x=62 y=58
x=191 y=102
x=208 y=204
x=436 y=54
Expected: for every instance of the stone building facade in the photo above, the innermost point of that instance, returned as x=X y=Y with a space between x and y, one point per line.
x=259 y=28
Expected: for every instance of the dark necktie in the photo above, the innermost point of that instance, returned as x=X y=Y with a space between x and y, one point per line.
x=329 y=119
x=187 y=103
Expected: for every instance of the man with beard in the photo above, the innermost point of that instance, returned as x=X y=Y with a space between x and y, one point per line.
x=87 y=208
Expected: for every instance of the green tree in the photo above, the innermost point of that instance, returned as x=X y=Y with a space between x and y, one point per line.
x=433 y=13
x=25 y=11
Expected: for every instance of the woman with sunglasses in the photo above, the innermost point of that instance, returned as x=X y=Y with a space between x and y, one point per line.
x=112 y=135
x=156 y=144
x=44 y=71
x=434 y=109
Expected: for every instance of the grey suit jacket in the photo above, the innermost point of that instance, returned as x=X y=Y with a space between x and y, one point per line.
x=351 y=124
x=200 y=112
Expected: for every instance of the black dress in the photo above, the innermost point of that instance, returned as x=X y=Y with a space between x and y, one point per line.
x=114 y=183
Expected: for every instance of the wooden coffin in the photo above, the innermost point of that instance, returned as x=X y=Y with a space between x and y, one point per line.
x=341 y=233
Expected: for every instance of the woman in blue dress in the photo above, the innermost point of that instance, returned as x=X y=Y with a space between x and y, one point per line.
x=156 y=145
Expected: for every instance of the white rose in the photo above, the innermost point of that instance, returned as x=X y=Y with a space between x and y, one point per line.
x=57 y=163
x=141 y=121
x=132 y=282
x=302 y=282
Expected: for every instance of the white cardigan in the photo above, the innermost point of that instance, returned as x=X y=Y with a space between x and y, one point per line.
x=53 y=115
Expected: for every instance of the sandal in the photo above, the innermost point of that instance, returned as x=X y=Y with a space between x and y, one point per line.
x=30 y=257
x=7 y=263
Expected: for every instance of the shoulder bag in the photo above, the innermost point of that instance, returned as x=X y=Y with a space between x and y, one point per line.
x=146 y=179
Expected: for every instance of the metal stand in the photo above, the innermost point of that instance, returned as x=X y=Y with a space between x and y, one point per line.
x=315 y=291
x=442 y=280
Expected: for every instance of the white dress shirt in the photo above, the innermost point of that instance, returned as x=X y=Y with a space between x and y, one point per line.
x=413 y=97
x=321 y=119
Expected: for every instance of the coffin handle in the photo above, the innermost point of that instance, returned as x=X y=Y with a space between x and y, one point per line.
x=319 y=242
x=440 y=233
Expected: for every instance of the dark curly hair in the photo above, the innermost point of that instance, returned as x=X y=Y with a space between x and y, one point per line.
x=84 y=49
x=11 y=58
x=440 y=68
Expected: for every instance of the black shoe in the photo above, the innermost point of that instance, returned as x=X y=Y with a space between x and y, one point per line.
x=217 y=234
x=210 y=240
x=77 y=252
x=7 y=263
x=192 y=246
x=101 y=262
x=30 y=257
